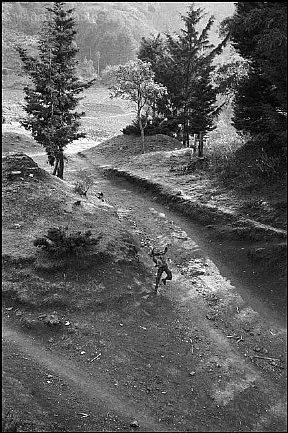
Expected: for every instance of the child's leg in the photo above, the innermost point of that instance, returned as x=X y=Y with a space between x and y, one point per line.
x=158 y=277
x=168 y=275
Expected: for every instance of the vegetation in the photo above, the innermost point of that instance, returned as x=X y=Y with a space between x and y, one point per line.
x=135 y=81
x=51 y=99
x=83 y=184
x=184 y=64
x=258 y=32
x=58 y=243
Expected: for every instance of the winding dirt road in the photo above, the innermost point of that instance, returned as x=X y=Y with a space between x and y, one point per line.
x=206 y=355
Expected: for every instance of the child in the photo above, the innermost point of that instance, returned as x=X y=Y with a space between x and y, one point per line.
x=160 y=262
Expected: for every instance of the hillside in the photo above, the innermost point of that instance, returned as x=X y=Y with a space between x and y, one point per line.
x=108 y=32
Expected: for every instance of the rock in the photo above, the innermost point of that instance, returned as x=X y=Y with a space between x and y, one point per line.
x=192 y=373
x=134 y=424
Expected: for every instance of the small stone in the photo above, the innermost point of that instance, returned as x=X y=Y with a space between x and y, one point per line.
x=192 y=373
x=257 y=349
x=134 y=424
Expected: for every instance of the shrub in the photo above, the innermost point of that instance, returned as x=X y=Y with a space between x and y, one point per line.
x=83 y=184
x=157 y=126
x=59 y=243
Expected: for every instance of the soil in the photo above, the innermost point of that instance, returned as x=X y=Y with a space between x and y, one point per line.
x=88 y=346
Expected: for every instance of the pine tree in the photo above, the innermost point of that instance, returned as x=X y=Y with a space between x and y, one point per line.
x=185 y=67
x=51 y=98
x=193 y=94
x=258 y=31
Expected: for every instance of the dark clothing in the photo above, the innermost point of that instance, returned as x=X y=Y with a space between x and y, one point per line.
x=161 y=269
x=160 y=262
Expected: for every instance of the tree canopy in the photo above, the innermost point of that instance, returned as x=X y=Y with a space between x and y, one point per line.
x=258 y=31
x=135 y=81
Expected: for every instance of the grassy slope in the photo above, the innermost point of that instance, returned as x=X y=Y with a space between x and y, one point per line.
x=33 y=204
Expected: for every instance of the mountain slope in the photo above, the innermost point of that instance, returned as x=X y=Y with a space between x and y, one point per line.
x=108 y=32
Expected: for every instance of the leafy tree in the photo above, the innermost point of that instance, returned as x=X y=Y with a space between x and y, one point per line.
x=51 y=99
x=258 y=31
x=135 y=81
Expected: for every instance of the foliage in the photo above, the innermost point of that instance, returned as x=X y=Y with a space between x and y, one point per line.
x=184 y=64
x=135 y=81
x=105 y=41
x=258 y=31
x=245 y=166
x=51 y=99
x=58 y=243
x=155 y=126
x=83 y=184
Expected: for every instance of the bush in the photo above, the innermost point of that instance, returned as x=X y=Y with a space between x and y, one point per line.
x=58 y=243
x=83 y=184
x=157 y=126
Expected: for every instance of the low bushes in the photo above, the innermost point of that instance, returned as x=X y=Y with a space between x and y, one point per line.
x=158 y=126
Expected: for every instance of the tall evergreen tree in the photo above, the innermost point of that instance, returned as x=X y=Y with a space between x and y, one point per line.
x=51 y=98
x=258 y=31
x=185 y=68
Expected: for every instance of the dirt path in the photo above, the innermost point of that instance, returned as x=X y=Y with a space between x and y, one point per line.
x=215 y=346
x=206 y=354
x=76 y=390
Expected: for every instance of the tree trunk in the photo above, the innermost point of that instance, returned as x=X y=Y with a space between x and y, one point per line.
x=142 y=134
x=60 y=170
x=185 y=128
x=200 y=148
x=55 y=167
